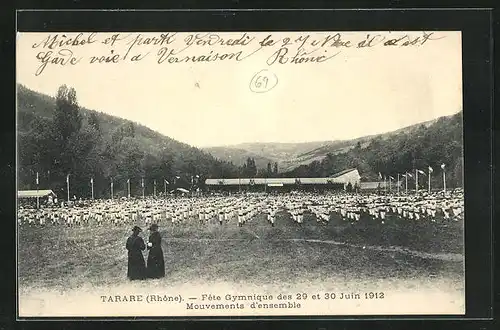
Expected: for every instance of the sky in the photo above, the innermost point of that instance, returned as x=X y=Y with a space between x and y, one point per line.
x=356 y=92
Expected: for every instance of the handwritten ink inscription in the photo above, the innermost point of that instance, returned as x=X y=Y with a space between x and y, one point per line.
x=279 y=48
x=263 y=81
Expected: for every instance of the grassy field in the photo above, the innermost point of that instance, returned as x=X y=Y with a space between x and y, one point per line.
x=63 y=271
x=57 y=256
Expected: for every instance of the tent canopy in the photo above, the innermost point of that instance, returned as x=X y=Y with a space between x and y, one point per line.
x=35 y=193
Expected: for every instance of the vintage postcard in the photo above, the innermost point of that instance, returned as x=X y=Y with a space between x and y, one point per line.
x=240 y=174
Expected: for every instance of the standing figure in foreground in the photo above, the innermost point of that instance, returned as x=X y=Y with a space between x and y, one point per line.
x=135 y=246
x=156 y=264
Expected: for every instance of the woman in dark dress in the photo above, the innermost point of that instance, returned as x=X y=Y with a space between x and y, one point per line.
x=135 y=245
x=156 y=264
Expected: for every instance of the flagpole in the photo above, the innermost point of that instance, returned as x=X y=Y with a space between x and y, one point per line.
x=92 y=187
x=165 y=187
x=390 y=184
x=444 y=180
x=37 y=197
x=111 y=189
x=406 y=183
x=142 y=184
x=154 y=188
x=67 y=185
x=398 y=184
x=128 y=187
x=416 y=181
x=444 y=177
x=429 y=182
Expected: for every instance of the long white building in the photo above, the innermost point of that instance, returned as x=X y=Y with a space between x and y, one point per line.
x=338 y=180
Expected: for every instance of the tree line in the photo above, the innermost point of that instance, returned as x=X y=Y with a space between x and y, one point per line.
x=421 y=148
x=60 y=138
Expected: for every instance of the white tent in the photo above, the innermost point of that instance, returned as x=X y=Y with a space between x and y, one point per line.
x=35 y=193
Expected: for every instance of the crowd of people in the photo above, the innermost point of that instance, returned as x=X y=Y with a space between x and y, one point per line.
x=239 y=209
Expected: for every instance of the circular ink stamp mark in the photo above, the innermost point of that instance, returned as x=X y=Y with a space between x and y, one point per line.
x=263 y=81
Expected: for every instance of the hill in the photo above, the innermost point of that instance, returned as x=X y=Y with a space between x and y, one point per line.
x=238 y=156
x=285 y=154
x=416 y=147
x=99 y=146
x=280 y=151
x=292 y=155
x=343 y=146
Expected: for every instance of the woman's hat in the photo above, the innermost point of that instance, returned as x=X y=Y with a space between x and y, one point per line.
x=153 y=226
x=136 y=228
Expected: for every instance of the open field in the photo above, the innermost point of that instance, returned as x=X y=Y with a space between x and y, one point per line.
x=401 y=255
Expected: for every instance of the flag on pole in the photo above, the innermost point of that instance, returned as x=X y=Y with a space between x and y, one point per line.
x=177 y=177
x=166 y=181
x=429 y=180
x=444 y=177
x=421 y=172
x=410 y=175
x=128 y=180
x=142 y=185
x=91 y=180
x=67 y=185
x=390 y=177
x=37 y=178
x=379 y=175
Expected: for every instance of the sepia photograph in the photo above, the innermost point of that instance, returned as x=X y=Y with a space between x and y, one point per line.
x=201 y=174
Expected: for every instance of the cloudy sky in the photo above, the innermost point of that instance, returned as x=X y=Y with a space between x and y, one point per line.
x=360 y=91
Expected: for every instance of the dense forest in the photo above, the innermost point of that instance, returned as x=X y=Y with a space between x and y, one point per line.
x=57 y=137
x=439 y=143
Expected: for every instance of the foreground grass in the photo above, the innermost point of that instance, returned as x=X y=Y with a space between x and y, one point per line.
x=256 y=253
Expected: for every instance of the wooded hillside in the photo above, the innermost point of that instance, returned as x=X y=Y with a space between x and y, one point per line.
x=57 y=137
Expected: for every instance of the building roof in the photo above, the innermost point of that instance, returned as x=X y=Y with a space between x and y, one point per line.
x=333 y=179
x=34 y=193
x=371 y=185
x=271 y=181
x=343 y=172
x=376 y=184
